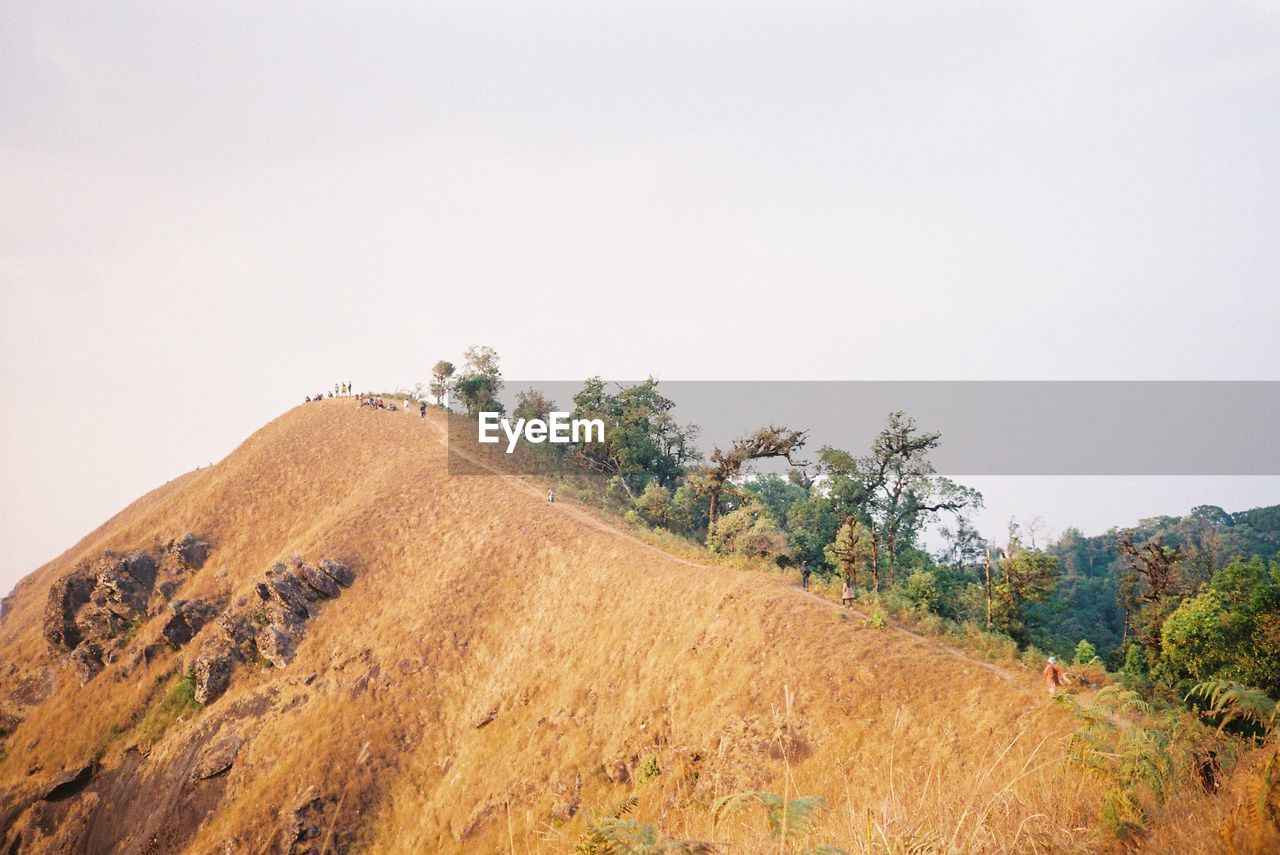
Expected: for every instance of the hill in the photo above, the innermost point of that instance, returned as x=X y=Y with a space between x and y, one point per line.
x=498 y=670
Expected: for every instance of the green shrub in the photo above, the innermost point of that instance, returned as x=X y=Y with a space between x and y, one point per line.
x=1085 y=653
x=649 y=769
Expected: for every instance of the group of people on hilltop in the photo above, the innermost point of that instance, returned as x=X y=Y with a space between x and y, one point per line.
x=376 y=402
x=340 y=390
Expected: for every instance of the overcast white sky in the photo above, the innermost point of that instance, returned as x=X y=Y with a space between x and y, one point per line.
x=207 y=211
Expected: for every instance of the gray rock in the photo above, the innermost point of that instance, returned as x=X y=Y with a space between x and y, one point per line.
x=285 y=589
x=337 y=571
x=213 y=675
x=189 y=616
x=275 y=646
x=126 y=583
x=192 y=551
x=87 y=661
x=68 y=783
x=66 y=596
x=217 y=758
x=322 y=583
x=99 y=623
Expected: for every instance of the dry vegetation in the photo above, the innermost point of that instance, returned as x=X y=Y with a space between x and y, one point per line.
x=504 y=671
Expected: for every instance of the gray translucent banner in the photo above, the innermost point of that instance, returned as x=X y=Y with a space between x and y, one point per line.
x=991 y=427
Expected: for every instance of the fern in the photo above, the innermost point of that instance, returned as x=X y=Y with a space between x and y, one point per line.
x=1134 y=761
x=786 y=816
x=1234 y=702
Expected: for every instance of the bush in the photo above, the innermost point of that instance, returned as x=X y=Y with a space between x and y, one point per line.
x=748 y=531
x=922 y=590
x=1085 y=653
x=649 y=769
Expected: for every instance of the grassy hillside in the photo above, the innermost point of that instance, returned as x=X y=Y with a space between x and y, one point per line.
x=500 y=671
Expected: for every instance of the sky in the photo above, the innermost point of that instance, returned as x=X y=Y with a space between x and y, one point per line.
x=209 y=210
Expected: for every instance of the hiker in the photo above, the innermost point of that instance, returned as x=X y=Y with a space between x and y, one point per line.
x=804 y=574
x=846 y=593
x=551 y=496
x=1054 y=676
x=335 y=389
x=422 y=410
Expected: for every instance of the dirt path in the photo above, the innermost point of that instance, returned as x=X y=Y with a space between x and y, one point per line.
x=521 y=483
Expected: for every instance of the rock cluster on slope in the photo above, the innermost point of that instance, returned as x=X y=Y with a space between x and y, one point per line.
x=92 y=610
x=288 y=597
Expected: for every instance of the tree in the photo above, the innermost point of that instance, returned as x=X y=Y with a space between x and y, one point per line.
x=440 y=374
x=480 y=382
x=1151 y=586
x=1029 y=577
x=765 y=443
x=852 y=551
x=894 y=491
x=1085 y=652
x=642 y=440
x=532 y=404
x=1229 y=631
x=748 y=530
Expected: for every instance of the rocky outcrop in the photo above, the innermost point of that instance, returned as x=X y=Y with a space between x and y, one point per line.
x=217 y=758
x=271 y=632
x=276 y=645
x=66 y=597
x=68 y=783
x=189 y=616
x=213 y=675
x=284 y=589
x=339 y=572
x=92 y=611
x=86 y=660
x=124 y=584
x=322 y=585
x=289 y=595
x=190 y=550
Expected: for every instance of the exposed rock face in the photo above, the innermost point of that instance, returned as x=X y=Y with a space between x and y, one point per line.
x=92 y=610
x=66 y=597
x=188 y=618
x=321 y=583
x=276 y=645
x=238 y=632
x=191 y=551
x=213 y=675
x=68 y=783
x=217 y=758
x=124 y=584
x=87 y=661
x=340 y=573
x=284 y=589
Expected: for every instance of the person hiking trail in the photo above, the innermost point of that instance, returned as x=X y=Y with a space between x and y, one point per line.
x=422 y=410
x=1054 y=676
x=846 y=593
x=804 y=575
x=551 y=496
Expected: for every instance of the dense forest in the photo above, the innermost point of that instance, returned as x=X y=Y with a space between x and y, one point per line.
x=1168 y=603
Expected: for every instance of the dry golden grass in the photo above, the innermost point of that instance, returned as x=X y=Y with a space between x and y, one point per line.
x=591 y=646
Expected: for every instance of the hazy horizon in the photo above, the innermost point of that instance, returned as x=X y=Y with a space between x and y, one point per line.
x=207 y=213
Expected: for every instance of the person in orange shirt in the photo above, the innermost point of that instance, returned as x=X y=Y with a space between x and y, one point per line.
x=1054 y=676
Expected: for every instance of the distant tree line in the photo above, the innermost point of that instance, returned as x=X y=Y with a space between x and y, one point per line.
x=1170 y=602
